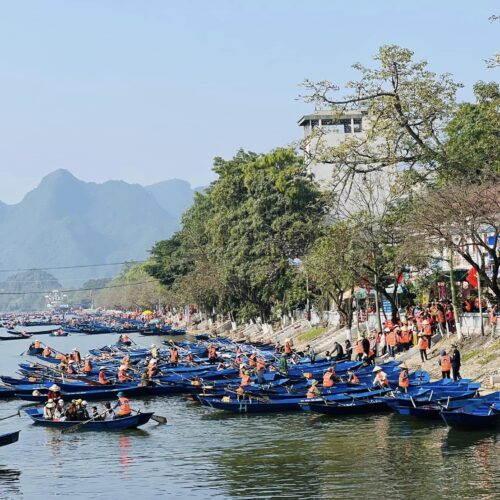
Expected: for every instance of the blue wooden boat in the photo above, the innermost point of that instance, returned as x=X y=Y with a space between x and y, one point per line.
x=478 y=417
x=36 y=414
x=9 y=438
x=249 y=404
x=354 y=407
x=6 y=392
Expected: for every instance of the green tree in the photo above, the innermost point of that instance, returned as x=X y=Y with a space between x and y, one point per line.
x=235 y=247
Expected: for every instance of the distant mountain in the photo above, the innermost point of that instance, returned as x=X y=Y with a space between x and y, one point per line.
x=12 y=291
x=66 y=222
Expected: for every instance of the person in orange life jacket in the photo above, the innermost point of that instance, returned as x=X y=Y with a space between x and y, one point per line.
x=313 y=391
x=102 y=377
x=174 y=356
x=427 y=326
x=381 y=381
x=359 y=349
x=391 y=341
x=423 y=346
x=87 y=365
x=260 y=370
x=246 y=379
x=288 y=349
x=445 y=363
x=123 y=405
x=328 y=378
x=352 y=377
x=404 y=338
x=404 y=379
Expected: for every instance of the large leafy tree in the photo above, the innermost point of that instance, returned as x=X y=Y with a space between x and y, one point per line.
x=238 y=239
x=406 y=107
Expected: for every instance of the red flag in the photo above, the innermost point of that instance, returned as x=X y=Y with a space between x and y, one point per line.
x=401 y=278
x=472 y=277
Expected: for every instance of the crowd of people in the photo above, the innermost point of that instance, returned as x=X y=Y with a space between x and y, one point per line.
x=77 y=410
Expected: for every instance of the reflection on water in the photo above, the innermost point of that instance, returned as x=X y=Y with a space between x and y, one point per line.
x=202 y=453
x=9 y=482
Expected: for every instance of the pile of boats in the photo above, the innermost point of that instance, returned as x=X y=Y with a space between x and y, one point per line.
x=217 y=384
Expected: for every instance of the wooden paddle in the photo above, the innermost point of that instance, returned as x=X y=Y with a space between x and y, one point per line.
x=156 y=418
x=18 y=414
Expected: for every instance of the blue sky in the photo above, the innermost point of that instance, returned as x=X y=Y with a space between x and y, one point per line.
x=149 y=90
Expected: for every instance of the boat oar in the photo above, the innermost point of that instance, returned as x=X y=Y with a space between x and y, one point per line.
x=18 y=414
x=156 y=418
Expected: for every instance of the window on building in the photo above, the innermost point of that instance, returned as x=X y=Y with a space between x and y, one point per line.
x=357 y=124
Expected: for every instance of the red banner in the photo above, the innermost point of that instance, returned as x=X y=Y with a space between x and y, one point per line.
x=472 y=277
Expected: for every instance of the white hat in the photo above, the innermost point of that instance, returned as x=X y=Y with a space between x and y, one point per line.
x=75 y=349
x=60 y=402
x=153 y=345
x=54 y=388
x=377 y=369
x=84 y=403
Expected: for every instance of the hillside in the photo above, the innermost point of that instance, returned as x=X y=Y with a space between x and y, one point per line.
x=65 y=221
x=29 y=281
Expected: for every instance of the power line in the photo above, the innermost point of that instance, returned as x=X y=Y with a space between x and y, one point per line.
x=72 y=267
x=81 y=289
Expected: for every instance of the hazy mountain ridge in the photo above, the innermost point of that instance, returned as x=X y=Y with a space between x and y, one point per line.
x=65 y=221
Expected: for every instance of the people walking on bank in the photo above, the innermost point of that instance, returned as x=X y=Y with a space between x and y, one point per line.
x=423 y=345
x=445 y=363
x=455 y=362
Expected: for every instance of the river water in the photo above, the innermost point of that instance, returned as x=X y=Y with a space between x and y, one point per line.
x=203 y=453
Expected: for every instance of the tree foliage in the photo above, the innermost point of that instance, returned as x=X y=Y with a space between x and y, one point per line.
x=234 y=250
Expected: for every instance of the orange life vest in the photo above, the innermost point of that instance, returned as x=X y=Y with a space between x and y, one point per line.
x=391 y=339
x=124 y=407
x=125 y=338
x=427 y=330
x=359 y=347
x=423 y=344
x=404 y=381
x=122 y=376
x=404 y=337
x=174 y=356
x=313 y=392
x=328 y=379
x=102 y=378
x=261 y=365
x=445 y=363
x=245 y=380
x=354 y=379
x=87 y=367
x=212 y=354
x=288 y=348
x=252 y=362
